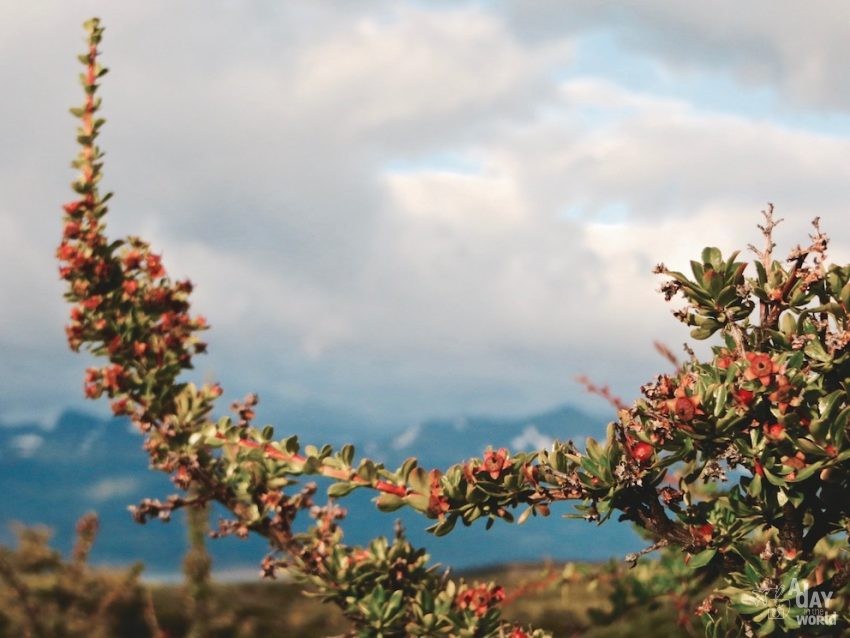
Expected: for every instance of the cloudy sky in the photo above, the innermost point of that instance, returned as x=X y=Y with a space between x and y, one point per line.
x=407 y=209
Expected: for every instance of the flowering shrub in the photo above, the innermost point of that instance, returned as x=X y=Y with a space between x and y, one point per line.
x=738 y=465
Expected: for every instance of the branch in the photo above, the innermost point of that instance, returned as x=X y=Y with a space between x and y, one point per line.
x=667 y=353
x=601 y=391
x=766 y=255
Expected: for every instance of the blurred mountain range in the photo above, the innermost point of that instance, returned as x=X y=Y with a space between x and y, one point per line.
x=84 y=463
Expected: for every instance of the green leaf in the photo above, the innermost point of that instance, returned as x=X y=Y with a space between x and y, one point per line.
x=418 y=502
x=762 y=273
x=702 y=333
x=815 y=350
x=844 y=295
x=389 y=502
x=755 y=486
x=337 y=490
x=443 y=527
x=773 y=479
x=807 y=472
x=720 y=401
x=697 y=269
x=418 y=480
x=711 y=255
x=346 y=454
x=702 y=559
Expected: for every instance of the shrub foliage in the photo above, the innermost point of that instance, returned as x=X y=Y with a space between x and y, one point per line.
x=738 y=465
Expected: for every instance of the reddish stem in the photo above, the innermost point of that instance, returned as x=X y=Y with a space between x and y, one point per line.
x=271 y=452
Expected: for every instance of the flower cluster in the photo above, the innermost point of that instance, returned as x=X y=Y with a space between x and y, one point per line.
x=480 y=598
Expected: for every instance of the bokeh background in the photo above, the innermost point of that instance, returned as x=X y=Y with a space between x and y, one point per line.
x=401 y=215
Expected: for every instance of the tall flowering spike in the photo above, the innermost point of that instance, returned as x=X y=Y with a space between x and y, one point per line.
x=88 y=159
x=125 y=306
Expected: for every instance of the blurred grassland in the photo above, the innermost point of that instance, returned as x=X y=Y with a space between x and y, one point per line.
x=556 y=598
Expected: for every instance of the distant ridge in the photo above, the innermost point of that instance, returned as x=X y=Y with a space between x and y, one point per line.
x=85 y=463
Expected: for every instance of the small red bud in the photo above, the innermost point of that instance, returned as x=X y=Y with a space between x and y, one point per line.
x=132 y=259
x=775 y=431
x=92 y=302
x=704 y=532
x=66 y=252
x=642 y=452
x=130 y=287
x=745 y=397
x=72 y=208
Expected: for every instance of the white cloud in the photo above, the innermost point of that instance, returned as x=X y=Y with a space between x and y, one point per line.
x=531 y=439
x=796 y=49
x=267 y=168
x=26 y=445
x=407 y=437
x=486 y=201
x=112 y=488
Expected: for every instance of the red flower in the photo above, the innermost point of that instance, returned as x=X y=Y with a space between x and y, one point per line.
x=92 y=302
x=495 y=463
x=130 y=287
x=744 y=397
x=479 y=599
x=72 y=229
x=798 y=461
x=358 y=556
x=270 y=499
x=775 y=431
x=132 y=259
x=156 y=296
x=92 y=383
x=704 y=532
x=72 y=208
x=121 y=406
x=112 y=377
x=724 y=360
x=438 y=504
x=139 y=348
x=155 y=268
x=684 y=406
x=761 y=367
x=684 y=409
x=784 y=395
x=114 y=345
x=642 y=452
x=66 y=252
